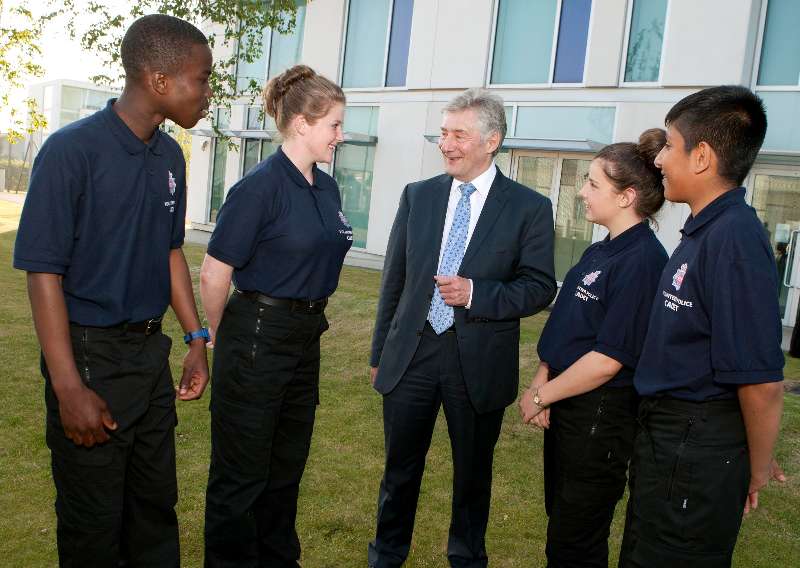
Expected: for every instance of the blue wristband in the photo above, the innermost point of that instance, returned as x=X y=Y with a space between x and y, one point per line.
x=192 y=335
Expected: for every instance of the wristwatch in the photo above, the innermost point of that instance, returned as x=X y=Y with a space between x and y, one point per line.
x=192 y=335
x=537 y=399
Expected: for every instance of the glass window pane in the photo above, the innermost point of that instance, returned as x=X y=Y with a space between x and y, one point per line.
x=523 y=41
x=566 y=123
x=217 y=178
x=286 y=49
x=365 y=47
x=71 y=98
x=255 y=70
x=252 y=154
x=536 y=173
x=399 y=41
x=353 y=172
x=268 y=148
x=361 y=119
x=573 y=231
x=780 y=50
x=783 y=116
x=776 y=200
x=573 y=33
x=644 y=43
x=254 y=118
x=503 y=161
x=223 y=117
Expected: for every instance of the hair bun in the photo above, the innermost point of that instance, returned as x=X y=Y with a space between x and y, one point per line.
x=650 y=143
x=280 y=85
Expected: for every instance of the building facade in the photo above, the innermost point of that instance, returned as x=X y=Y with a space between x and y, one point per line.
x=575 y=75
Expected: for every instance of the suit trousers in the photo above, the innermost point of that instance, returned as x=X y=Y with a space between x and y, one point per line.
x=434 y=379
x=264 y=395
x=689 y=477
x=115 y=501
x=586 y=454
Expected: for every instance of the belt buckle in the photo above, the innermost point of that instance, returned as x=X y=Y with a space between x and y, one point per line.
x=151 y=325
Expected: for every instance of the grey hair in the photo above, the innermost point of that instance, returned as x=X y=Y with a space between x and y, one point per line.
x=489 y=108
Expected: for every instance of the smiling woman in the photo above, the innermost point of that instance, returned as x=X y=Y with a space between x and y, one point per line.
x=281 y=236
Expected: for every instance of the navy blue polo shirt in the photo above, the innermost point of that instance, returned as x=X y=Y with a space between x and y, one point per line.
x=715 y=322
x=604 y=303
x=284 y=237
x=104 y=209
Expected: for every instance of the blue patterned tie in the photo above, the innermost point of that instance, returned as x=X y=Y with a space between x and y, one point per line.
x=440 y=314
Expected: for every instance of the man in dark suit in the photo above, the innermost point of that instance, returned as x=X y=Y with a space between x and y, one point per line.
x=470 y=253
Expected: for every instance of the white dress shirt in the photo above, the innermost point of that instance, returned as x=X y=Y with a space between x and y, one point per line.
x=482 y=183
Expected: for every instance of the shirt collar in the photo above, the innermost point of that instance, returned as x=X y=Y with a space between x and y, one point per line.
x=132 y=144
x=625 y=238
x=712 y=210
x=482 y=183
x=295 y=174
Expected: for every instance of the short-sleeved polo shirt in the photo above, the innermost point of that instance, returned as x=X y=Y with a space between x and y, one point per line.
x=283 y=236
x=715 y=322
x=104 y=209
x=604 y=303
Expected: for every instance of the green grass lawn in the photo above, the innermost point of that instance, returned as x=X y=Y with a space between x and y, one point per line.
x=339 y=490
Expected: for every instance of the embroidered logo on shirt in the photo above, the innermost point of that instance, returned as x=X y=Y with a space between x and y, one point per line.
x=172 y=184
x=343 y=219
x=680 y=274
x=591 y=278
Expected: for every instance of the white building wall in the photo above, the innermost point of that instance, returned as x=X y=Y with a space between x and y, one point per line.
x=323 y=36
x=461 y=45
x=604 y=48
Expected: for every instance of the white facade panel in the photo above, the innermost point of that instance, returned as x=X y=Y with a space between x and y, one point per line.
x=323 y=37
x=398 y=161
x=606 y=38
x=709 y=42
x=461 y=45
x=421 y=51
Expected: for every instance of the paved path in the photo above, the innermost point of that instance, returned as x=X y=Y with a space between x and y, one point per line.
x=13 y=197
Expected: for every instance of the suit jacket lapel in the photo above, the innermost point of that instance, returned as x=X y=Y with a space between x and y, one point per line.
x=441 y=195
x=491 y=211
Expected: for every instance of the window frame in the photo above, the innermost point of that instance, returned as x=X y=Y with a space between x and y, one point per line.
x=343 y=53
x=553 y=50
x=626 y=39
x=762 y=28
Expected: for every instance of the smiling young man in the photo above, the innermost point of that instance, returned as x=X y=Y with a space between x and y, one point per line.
x=100 y=238
x=711 y=367
x=454 y=341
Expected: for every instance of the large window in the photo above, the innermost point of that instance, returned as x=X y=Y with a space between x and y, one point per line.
x=524 y=36
x=645 y=39
x=220 y=156
x=780 y=47
x=270 y=53
x=560 y=177
x=353 y=169
x=77 y=102
x=378 y=38
x=254 y=150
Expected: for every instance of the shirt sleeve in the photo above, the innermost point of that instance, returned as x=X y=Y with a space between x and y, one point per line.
x=239 y=224
x=623 y=330
x=179 y=220
x=745 y=319
x=47 y=226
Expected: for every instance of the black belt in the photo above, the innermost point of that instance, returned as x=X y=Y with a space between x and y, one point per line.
x=148 y=327
x=305 y=306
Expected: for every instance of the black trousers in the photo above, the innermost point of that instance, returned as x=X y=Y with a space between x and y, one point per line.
x=434 y=379
x=586 y=454
x=115 y=501
x=264 y=394
x=689 y=478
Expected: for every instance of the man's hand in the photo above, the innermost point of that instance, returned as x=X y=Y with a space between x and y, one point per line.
x=373 y=372
x=757 y=483
x=84 y=416
x=529 y=410
x=454 y=290
x=195 y=371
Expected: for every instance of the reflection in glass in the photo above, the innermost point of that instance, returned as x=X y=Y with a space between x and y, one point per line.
x=251 y=154
x=781 y=39
x=573 y=231
x=536 y=173
x=217 y=178
x=776 y=200
x=353 y=172
x=645 y=40
x=365 y=47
